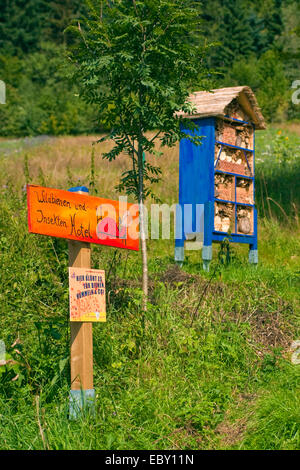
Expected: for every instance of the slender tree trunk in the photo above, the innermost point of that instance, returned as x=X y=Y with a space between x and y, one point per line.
x=144 y=257
x=143 y=228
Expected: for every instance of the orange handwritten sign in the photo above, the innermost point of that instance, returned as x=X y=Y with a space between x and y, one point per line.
x=87 y=295
x=80 y=217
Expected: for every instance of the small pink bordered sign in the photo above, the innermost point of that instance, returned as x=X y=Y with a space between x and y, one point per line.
x=87 y=295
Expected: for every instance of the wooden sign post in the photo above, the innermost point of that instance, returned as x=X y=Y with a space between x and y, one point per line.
x=82 y=219
x=82 y=394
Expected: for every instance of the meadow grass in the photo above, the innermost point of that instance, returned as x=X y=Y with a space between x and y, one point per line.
x=188 y=375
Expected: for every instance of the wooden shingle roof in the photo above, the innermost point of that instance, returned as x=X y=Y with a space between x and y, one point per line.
x=214 y=103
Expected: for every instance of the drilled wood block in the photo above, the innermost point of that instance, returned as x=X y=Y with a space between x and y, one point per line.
x=245 y=194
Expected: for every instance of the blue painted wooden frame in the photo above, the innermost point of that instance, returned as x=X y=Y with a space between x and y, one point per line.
x=196 y=174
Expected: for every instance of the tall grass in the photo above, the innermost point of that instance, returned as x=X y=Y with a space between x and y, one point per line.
x=278 y=176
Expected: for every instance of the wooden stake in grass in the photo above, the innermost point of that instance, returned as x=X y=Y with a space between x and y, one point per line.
x=81 y=332
x=82 y=393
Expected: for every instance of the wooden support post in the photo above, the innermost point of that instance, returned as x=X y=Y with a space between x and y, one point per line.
x=82 y=395
x=81 y=332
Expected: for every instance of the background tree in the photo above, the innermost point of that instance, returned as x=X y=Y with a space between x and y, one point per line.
x=235 y=33
x=21 y=25
x=138 y=61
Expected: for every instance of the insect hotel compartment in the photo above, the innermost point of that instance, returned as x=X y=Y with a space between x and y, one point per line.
x=233 y=160
x=237 y=134
x=224 y=187
x=224 y=217
x=245 y=220
x=235 y=111
x=244 y=190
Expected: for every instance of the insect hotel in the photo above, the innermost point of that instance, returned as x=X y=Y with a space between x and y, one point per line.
x=218 y=176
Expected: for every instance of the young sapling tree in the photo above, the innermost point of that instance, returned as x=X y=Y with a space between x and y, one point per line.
x=138 y=61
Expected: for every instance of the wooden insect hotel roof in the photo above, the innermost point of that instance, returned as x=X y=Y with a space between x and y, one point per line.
x=222 y=101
